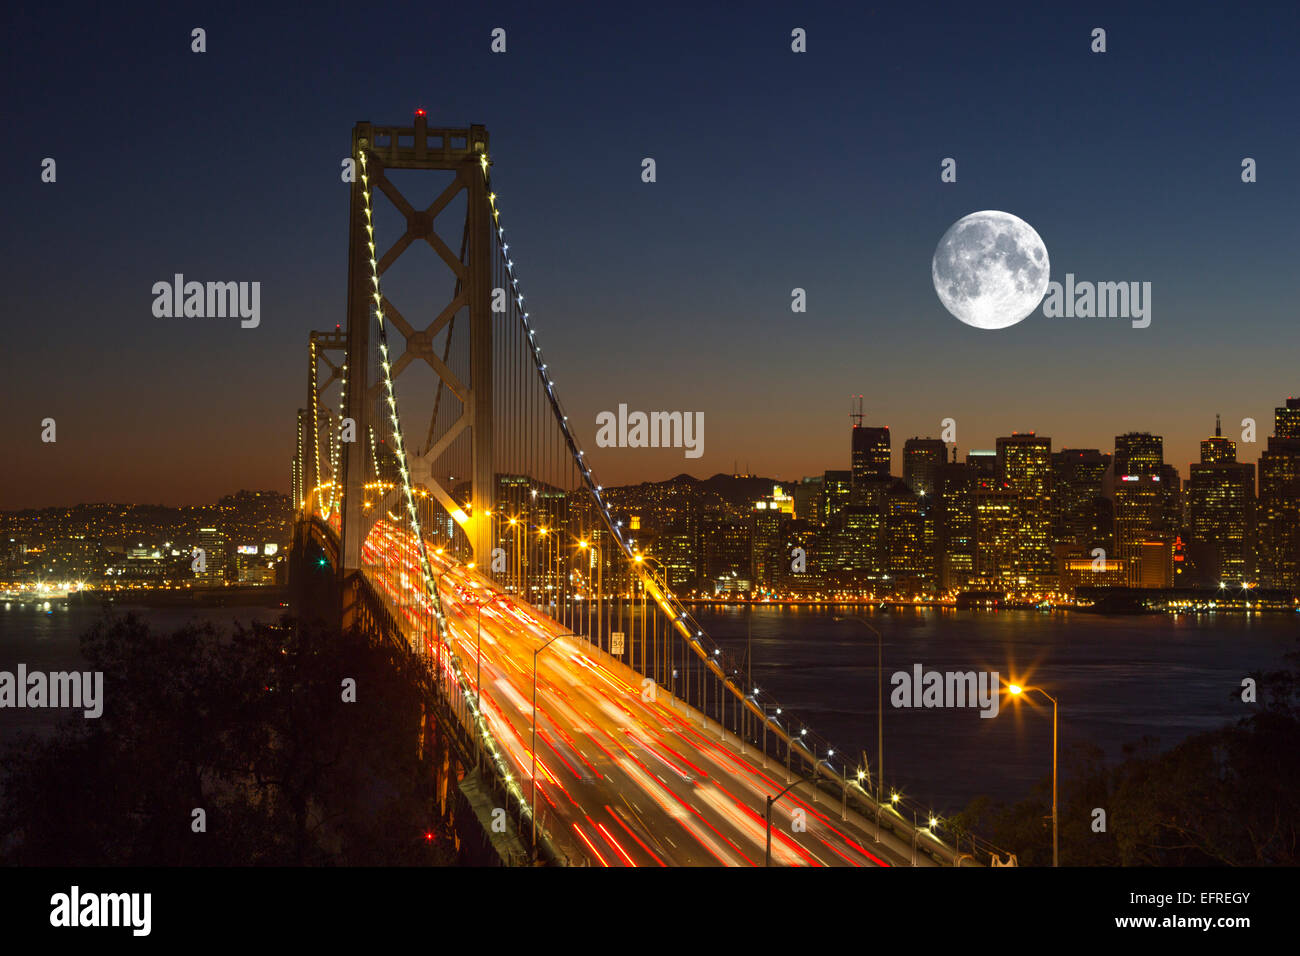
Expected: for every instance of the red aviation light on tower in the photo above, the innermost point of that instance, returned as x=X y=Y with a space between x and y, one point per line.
x=420 y=111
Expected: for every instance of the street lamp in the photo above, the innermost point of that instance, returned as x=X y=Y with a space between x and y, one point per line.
x=532 y=795
x=880 y=710
x=1016 y=690
x=767 y=858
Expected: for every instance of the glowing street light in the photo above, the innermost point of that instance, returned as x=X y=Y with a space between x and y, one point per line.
x=1016 y=691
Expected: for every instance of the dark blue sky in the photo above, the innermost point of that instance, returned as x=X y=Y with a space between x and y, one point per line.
x=775 y=170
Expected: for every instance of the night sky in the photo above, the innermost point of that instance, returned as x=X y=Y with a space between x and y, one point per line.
x=775 y=170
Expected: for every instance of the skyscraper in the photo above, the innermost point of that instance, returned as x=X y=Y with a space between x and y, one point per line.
x=1081 y=514
x=955 y=525
x=837 y=488
x=766 y=537
x=997 y=518
x=1141 y=503
x=808 y=499
x=1025 y=467
x=985 y=463
x=1220 y=506
x=871 y=452
x=726 y=554
x=1279 y=501
x=904 y=530
x=212 y=573
x=1286 y=420
x=921 y=460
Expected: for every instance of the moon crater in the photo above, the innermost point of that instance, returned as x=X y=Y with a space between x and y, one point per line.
x=990 y=269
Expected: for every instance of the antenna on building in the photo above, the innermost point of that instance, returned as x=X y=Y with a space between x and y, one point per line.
x=855 y=410
x=1218 y=433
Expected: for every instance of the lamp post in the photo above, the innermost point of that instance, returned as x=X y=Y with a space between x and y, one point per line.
x=771 y=801
x=1016 y=690
x=767 y=857
x=880 y=710
x=532 y=795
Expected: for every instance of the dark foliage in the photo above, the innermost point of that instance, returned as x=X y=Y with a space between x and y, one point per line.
x=253 y=729
x=1229 y=797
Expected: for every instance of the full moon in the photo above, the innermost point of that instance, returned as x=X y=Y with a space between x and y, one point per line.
x=990 y=269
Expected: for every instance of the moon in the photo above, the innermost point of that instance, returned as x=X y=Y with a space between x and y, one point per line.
x=990 y=269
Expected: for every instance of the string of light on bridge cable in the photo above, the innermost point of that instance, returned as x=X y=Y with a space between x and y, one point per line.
x=429 y=581
x=764 y=705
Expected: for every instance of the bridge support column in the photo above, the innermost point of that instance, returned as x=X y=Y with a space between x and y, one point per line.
x=358 y=358
x=480 y=357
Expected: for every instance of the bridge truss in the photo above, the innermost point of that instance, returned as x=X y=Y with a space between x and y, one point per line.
x=499 y=490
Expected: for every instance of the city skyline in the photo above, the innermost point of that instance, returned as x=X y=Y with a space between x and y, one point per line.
x=669 y=458
x=700 y=263
x=704 y=436
x=1025 y=518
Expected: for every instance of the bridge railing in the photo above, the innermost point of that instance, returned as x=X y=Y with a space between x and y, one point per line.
x=420 y=628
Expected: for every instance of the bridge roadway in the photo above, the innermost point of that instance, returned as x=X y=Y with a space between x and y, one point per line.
x=622 y=781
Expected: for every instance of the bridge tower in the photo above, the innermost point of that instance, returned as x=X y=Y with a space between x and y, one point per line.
x=464 y=152
x=316 y=421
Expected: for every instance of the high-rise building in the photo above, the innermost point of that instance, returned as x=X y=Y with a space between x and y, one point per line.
x=921 y=460
x=212 y=543
x=1279 y=501
x=726 y=553
x=800 y=571
x=1218 y=450
x=837 y=490
x=1173 y=519
x=955 y=525
x=1025 y=467
x=871 y=452
x=997 y=518
x=808 y=500
x=1139 y=453
x=985 y=463
x=1220 y=511
x=1081 y=513
x=854 y=556
x=767 y=557
x=1141 y=501
x=1286 y=420
x=904 y=532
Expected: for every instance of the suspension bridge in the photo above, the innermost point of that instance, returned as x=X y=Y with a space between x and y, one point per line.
x=569 y=687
